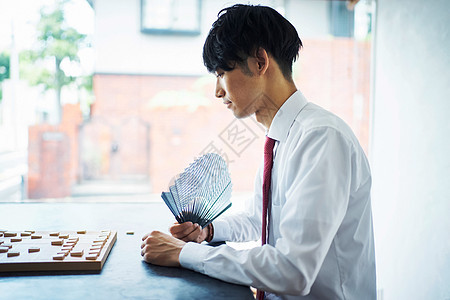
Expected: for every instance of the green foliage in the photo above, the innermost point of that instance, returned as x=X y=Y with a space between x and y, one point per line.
x=4 y=66
x=57 y=39
x=57 y=42
x=4 y=70
x=35 y=73
x=86 y=82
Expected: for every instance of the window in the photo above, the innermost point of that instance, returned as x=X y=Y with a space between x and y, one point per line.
x=170 y=17
x=341 y=19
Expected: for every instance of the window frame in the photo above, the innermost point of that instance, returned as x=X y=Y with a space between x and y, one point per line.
x=168 y=31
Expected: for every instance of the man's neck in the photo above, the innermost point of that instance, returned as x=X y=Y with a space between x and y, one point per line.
x=273 y=98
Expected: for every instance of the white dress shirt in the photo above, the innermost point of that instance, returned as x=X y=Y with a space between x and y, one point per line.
x=320 y=243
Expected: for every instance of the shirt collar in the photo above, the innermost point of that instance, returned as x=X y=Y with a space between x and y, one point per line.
x=285 y=116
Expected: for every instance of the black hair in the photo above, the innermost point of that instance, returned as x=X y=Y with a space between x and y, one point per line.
x=240 y=30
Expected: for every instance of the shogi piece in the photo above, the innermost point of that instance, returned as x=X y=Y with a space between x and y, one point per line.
x=13 y=253
x=77 y=253
x=64 y=252
x=73 y=254
x=91 y=257
x=59 y=256
x=57 y=242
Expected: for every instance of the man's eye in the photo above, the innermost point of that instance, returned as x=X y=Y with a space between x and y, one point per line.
x=219 y=75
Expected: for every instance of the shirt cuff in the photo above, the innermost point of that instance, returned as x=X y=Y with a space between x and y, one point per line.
x=193 y=255
x=221 y=231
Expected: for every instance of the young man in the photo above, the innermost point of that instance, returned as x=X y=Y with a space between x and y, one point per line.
x=318 y=231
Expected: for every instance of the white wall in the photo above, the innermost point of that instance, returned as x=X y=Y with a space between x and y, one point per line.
x=411 y=149
x=121 y=48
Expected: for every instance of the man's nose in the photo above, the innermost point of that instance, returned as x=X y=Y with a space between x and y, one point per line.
x=220 y=93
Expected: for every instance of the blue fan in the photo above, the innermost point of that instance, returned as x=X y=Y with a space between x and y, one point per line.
x=202 y=192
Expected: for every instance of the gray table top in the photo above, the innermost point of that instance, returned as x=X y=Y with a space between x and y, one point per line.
x=124 y=275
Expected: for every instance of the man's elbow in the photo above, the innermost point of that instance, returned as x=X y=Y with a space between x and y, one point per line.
x=295 y=284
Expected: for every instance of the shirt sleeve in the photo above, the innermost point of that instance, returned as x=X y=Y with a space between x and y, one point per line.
x=317 y=191
x=243 y=226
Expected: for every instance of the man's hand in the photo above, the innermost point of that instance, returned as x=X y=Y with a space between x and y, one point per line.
x=189 y=232
x=161 y=249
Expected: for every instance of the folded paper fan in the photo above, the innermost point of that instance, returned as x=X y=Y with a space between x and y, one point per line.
x=202 y=192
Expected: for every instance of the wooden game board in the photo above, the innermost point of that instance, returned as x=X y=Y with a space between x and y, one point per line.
x=54 y=251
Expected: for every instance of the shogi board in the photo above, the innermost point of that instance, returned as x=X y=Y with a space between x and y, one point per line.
x=99 y=243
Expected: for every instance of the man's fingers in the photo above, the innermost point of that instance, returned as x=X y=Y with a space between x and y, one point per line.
x=145 y=236
x=147 y=257
x=144 y=243
x=181 y=229
x=193 y=236
x=185 y=231
x=144 y=250
x=161 y=249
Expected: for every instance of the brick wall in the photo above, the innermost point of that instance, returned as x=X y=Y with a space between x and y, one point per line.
x=53 y=156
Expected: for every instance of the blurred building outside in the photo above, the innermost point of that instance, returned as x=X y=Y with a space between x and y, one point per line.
x=155 y=109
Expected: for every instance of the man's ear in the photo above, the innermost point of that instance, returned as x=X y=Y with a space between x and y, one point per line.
x=262 y=60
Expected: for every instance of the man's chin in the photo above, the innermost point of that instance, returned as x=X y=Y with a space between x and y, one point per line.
x=241 y=115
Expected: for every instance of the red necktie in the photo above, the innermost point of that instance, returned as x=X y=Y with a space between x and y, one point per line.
x=267 y=176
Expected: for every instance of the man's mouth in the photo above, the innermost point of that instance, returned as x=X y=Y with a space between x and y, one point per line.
x=226 y=102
